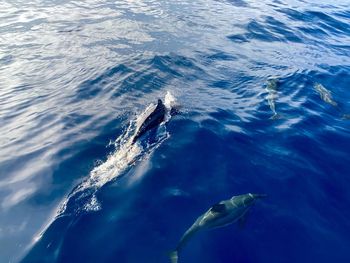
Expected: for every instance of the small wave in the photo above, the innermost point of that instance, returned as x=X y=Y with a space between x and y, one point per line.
x=83 y=197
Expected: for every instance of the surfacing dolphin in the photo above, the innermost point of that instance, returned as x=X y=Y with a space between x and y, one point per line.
x=221 y=214
x=155 y=118
x=272 y=89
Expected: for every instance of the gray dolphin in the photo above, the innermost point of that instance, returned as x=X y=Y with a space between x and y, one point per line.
x=155 y=118
x=325 y=94
x=272 y=90
x=221 y=214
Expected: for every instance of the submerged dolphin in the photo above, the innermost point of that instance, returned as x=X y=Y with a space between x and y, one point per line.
x=272 y=89
x=325 y=94
x=221 y=214
x=155 y=118
x=346 y=117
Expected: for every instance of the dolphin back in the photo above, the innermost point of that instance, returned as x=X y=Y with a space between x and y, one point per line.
x=152 y=121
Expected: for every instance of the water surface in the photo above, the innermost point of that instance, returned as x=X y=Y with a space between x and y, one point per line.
x=76 y=75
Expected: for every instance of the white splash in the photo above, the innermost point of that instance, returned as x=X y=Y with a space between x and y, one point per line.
x=93 y=205
x=169 y=101
x=125 y=155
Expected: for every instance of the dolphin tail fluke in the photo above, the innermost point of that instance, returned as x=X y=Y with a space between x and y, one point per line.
x=276 y=116
x=173 y=256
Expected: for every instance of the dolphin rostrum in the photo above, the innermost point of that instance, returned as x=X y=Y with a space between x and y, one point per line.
x=272 y=89
x=155 y=118
x=221 y=214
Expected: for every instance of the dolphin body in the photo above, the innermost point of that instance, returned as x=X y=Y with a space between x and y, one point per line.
x=221 y=214
x=272 y=89
x=325 y=94
x=155 y=118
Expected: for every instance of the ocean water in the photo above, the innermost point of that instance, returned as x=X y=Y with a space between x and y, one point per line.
x=263 y=90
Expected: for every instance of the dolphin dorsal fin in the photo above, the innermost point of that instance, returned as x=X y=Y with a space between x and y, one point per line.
x=160 y=106
x=218 y=208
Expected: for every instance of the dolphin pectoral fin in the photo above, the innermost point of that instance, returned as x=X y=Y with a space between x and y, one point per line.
x=173 y=256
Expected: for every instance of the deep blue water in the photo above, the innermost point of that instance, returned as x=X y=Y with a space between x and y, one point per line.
x=76 y=75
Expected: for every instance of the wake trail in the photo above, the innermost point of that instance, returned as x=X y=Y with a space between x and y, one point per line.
x=83 y=197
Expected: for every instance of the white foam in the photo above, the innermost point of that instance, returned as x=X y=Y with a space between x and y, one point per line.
x=93 y=205
x=169 y=101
